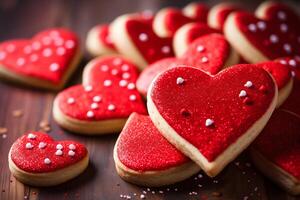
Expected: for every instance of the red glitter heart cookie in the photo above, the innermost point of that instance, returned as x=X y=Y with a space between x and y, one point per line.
x=45 y=61
x=219 y=13
x=105 y=99
x=168 y=20
x=36 y=159
x=276 y=151
x=185 y=35
x=98 y=41
x=138 y=40
x=144 y=157
x=264 y=39
x=212 y=119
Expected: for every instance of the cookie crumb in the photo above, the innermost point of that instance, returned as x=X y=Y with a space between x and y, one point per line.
x=17 y=113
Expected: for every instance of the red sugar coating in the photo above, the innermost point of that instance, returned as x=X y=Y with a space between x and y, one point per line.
x=223 y=13
x=141 y=147
x=153 y=70
x=214 y=55
x=281 y=73
x=211 y=97
x=279 y=142
x=151 y=47
x=271 y=38
x=200 y=12
x=122 y=99
x=46 y=56
x=197 y=30
x=103 y=31
x=32 y=160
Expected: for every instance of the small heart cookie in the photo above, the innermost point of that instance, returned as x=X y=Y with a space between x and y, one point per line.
x=98 y=41
x=219 y=13
x=45 y=61
x=276 y=151
x=197 y=11
x=36 y=159
x=212 y=119
x=186 y=34
x=144 y=157
x=168 y=20
x=105 y=99
x=138 y=40
x=264 y=39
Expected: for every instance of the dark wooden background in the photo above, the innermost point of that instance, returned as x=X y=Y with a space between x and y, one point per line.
x=100 y=181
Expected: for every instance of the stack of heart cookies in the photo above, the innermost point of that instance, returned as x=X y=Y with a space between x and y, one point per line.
x=217 y=82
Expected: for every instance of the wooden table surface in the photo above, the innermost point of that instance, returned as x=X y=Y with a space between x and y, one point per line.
x=100 y=181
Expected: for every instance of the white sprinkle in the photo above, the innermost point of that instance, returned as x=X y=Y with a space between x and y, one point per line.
x=60 y=51
x=54 y=67
x=2 y=55
x=70 y=44
x=117 y=61
x=104 y=68
x=58 y=42
x=284 y=28
x=111 y=107
x=209 y=122
x=166 y=49
x=36 y=45
x=72 y=147
x=126 y=75
x=29 y=145
x=281 y=15
x=27 y=50
x=287 y=48
x=125 y=67
x=34 y=57
x=94 y=106
x=59 y=147
x=132 y=97
x=11 y=48
x=122 y=83
x=107 y=83
x=31 y=136
x=179 y=81
x=292 y=62
x=248 y=84
x=20 y=61
x=47 y=161
x=131 y=86
x=71 y=100
x=42 y=145
x=200 y=48
x=47 y=52
x=97 y=99
x=142 y=196
x=71 y=153
x=283 y=62
x=204 y=59
x=143 y=37
x=46 y=40
x=88 y=88
x=252 y=27
x=114 y=71
x=261 y=25
x=58 y=152
x=200 y=176
x=243 y=93
x=274 y=38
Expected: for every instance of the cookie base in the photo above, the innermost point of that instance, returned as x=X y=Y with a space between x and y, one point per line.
x=49 y=178
x=279 y=176
x=284 y=93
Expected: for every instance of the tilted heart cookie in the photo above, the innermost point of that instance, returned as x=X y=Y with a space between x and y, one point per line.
x=168 y=20
x=197 y=11
x=263 y=39
x=45 y=61
x=98 y=41
x=191 y=109
x=105 y=99
x=186 y=34
x=144 y=157
x=276 y=151
x=36 y=159
x=138 y=40
x=210 y=53
x=219 y=13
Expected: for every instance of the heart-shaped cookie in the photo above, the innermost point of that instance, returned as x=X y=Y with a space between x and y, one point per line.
x=98 y=41
x=212 y=119
x=144 y=157
x=36 y=159
x=186 y=34
x=276 y=151
x=219 y=13
x=45 y=61
x=105 y=99
x=263 y=39
x=138 y=40
x=197 y=11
